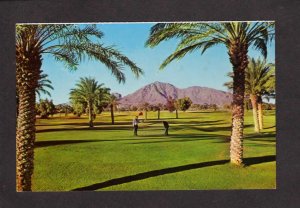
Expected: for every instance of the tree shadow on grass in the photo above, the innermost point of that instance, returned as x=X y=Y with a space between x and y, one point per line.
x=177 y=138
x=257 y=160
x=63 y=142
x=86 y=128
x=155 y=173
x=86 y=124
x=264 y=137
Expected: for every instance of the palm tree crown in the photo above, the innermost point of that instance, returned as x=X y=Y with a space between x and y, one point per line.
x=71 y=44
x=88 y=92
x=201 y=36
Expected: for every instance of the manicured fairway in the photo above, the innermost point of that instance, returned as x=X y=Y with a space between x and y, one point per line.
x=69 y=155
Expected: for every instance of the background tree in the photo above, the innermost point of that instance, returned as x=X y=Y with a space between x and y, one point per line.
x=45 y=108
x=184 y=103
x=159 y=107
x=145 y=108
x=67 y=43
x=64 y=108
x=79 y=108
x=112 y=102
x=176 y=106
x=237 y=37
x=170 y=104
x=89 y=92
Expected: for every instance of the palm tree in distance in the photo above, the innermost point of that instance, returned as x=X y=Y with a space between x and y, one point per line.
x=259 y=83
x=69 y=44
x=237 y=37
x=112 y=102
x=89 y=92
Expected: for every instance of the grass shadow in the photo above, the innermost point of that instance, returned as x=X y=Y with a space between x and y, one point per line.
x=62 y=142
x=179 y=138
x=149 y=174
x=257 y=160
x=141 y=176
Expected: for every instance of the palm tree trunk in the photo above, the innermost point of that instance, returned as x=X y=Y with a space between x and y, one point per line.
x=112 y=114
x=158 y=114
x=145 y=114
x=238 y=58
x=90 y=115
x=28 y=69
x=253 y=99
x=260 y=113
x=176 y=113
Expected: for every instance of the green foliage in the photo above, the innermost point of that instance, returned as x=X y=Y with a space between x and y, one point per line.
x=201 y=36
x=184 y=103
x=79 y=108
x=64 y=108
x=43 y=84
x=91 y=95
x=259 y=78
x=71 y=44
x=45 y=108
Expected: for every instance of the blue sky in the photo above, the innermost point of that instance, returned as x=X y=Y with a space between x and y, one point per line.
x=207 y=70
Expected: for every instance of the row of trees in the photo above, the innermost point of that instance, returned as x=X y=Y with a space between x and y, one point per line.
x=171 y=105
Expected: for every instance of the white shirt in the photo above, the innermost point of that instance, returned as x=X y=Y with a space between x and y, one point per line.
x=135 y=122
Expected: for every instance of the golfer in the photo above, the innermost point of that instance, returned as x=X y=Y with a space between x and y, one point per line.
x=135 y=125
x=166 y=125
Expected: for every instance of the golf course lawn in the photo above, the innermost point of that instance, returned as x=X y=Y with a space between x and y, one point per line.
x=195 y=156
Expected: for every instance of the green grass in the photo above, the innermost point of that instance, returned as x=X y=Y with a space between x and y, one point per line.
x=69 y=155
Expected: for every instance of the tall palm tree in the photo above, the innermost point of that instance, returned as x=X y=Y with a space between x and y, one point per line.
x=237 y=37
x=69 y=44
x=89 y=92
x=43 y=84
x=259 y=83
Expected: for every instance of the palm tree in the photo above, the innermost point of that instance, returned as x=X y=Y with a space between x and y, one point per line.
x=43 y=83
x=69 y=44
x=112 y=102
x=237 y=37
x=89 y=92
x=259 y=82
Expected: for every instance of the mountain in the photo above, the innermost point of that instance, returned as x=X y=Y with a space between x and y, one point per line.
x=158 y=92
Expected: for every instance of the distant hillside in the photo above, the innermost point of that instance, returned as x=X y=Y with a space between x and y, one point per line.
x=157 y=92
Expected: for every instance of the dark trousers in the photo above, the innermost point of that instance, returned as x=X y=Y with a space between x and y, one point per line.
x=135 y=129
x=167 y=131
